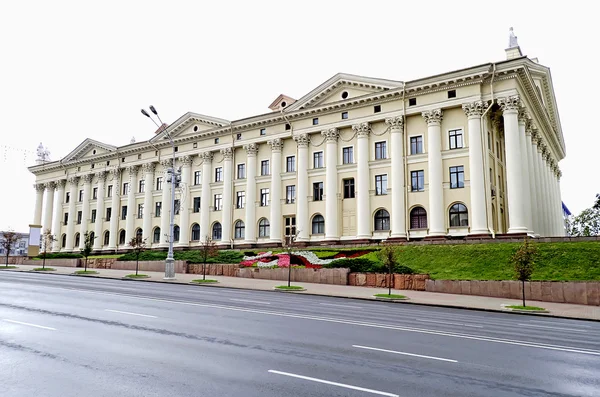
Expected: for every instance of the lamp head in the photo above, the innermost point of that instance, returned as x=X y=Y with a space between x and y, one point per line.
x=145 y=113
x=153 y=110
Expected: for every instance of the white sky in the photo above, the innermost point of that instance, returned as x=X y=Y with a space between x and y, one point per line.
x=70 y=70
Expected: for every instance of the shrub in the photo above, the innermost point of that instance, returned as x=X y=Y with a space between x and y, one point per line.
x=192 y=256
x=60 y=255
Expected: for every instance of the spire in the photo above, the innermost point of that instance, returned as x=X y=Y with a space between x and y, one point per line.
x=513 y=51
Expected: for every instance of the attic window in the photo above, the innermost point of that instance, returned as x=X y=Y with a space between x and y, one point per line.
x=94 y=151
x=176 y=149
x=92 y=166
x=283 y=104
x=108 y=162
x=195 y=128
x=139 y=156
x=78 y=169
x=263 y=131
x=412 y=102
x=376 y=108
x=156 y=152
x=344 y=115
x=288 y=127
x=344 y=94
x=239 y=137
x=316 y=121
x=216 y=140
x=195 y=145
x=122 y=159
x=452 y=94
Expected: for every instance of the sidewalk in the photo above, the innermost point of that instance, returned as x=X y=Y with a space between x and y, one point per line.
x=346 y=291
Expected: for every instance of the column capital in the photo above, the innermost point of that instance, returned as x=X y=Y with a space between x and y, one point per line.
x=185 y=160
x=74 y=180
x=115 y=173
x=251 y=148
x=475 y=109
x=39 y=187
x=88 y=178
x=302 y=140
x=433 y=117
x=396 y=123
x=133 y=169
x=206 y=156
x=276 y=144
x=510 y=103
x=50 y=185
x=331 y=134
x=60 y=184
x=362 y=129
x=167 y=162
x=227 y=153
x=148 y=167
x=101 y=176
x=523 y=116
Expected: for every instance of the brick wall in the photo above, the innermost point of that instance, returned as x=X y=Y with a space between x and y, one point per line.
x=414 y=282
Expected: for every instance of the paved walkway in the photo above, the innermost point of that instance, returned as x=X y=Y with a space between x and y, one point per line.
x=346 y=291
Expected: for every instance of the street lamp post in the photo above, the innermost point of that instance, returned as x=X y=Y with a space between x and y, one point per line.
x=172 y=177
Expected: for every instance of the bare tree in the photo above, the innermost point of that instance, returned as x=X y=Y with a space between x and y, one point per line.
x=88 y=244
x=389 y=257
x=47 y=240
x=9 y=242
x=523 y=260
x=138 y=245
x=288 y=245
x=208 y=249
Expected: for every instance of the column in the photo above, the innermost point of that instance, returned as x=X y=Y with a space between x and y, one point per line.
x=545 y=193
x=553 y=198
x=184 y=211
x=72 y=217
x=536 y=140
x=47 y=225
x=331 y=184
x=562 y=222
x=514 y=165
x=275 y=204
x=227 y=195
x=98 y=226
x=115 y=204
x=39 y=201
x=205 y=196
x=302 y=222
x=131 y=207
x=60 y=196
x=85 y=210
x=523 y=118
x=533 y=193
x=165 y=215
x=398 y=187
x=436 y=187
x=148 y=169
x=250 y=231
x=363 y=206
x=477 y=212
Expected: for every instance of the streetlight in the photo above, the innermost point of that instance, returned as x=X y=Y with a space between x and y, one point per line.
x=172 y=177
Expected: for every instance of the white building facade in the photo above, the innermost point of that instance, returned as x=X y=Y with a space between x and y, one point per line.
x=468 y=153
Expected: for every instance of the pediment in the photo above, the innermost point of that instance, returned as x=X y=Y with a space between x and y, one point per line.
x=281 y=102
x=88 y=149
x=191 y=124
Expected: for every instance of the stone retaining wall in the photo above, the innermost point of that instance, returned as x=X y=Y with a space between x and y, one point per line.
x=414 y=282
x=14 y=260
x=319 y=276
x=213 y=269
x=55 y=262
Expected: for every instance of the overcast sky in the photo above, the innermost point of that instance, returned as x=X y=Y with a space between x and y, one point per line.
x=70 y=70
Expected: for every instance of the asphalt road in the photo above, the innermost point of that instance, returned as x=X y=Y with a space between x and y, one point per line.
x=72 y=336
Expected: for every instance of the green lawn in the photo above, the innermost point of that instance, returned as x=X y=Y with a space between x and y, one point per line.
x=113 y=256
x=44 y=269
x=290 y=288
x=392 y=296
x=86 y=272
x=207 y=281
x=530 y=308
x=137 y=276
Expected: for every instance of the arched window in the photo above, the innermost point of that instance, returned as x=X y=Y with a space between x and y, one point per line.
x=418 y=218
x=63 y=242
x=106 y=237
x=175 y=233
x=139 y=234
x=240 y=230
x=76 y=240
x=92 y=237
x=122 y=237
x=318 y=224
x=156 y=235
x=459 y=215
x=195 y=232
x=217 y=231
x=382 y=220
x=264 y=228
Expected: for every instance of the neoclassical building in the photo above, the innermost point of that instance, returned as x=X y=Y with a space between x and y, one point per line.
x=473 y=152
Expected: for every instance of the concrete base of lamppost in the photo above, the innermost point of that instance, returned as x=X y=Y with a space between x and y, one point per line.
x=169 y=269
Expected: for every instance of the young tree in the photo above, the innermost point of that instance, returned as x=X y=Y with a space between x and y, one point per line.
x=47 y=240
x=288 y=245
x=138 y=245
x=88 y=244
x=524 y=260
x=208 y=249
x=9 y=241
x=587 y=223
x=389 y=256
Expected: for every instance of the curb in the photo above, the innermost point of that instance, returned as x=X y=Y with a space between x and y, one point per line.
x=288 y=290
x=395 y=300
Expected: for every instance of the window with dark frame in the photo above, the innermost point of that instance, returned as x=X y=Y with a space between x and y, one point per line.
x=290 y=194
x=318 y=224
x=381 y=185
x=196 y=206
x=157 y=208
x=382 y=220
x=238 y=136
x=457 y=177
x=177 y=206
x=348 y=155
x=108 y=214
x=263 y=131
x=195 y=232
x=264 y=197
x=68 y=196
x=219 y=174
x=240 y=200
x=416 y=144
x=290 y=164
x=123 y=212
x=452 y=94
x=315 y=121
x=264 y=228
x=93 y=217
x=241 y=171
x=66 y=218
x=288 y=127
x=197 y=178
x=109 y=191
x=142 y=187
x=140 y=212
x=80 y=196
x=159 y=183
x=318 y=160
x=218 y=203
x=344 y=115
x=456 y=139
x=377 y=109
x=239 y=230
x=380 y=150
x=418 y=218
x=217 y=231
x=318 y=191
x=412 y=101
x=264 y=167
x=95 y=193
x=417 y=181
x=459 y=216
x=349 y=188
x=125 y=189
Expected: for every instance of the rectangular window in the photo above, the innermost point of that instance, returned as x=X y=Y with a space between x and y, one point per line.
x=380 y=150
x=316 y=121
x=264 y=197
x=349 y=188
x=158 y=208
x=140 y=213
x=93 y=217
x=240 y=200
x=456 y=139
x=241 y=171
x=125 y=188
x=288 y=127
x=318 y=191
x=348 y=155
x=79 y=216
x=218 y=202
x=377 y=109
x=452 y=94
x=290 y=164
x=381 y=184
x=457 y=177
x=219 y=174
x=197 y=177
x=318 y=160
x=417 y=181
x=412 y=102
x=216 y=141
x=68 y=197
x=290 y=194
x=142 y=186
x=80 y=196
x=176 y=148
x=108 y=214
x=95 y=193
x=264 y=167
x=196 y=204
x=159 y=182
x=109 y=191
x=416 y=144
x=177 y=206
x=489 y=141
x=344 y=115
x=263 y=131
x=238 y=136
x=66 y=220
x=124 y=212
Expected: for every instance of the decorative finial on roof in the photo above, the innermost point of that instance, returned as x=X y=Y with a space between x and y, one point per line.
x=512 y=39
x=132 y=140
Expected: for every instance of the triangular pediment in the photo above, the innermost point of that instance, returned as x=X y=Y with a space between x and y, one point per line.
x=544 y=88
x=190 y=124
x=89 y=148
x=343 y=87
x=281 y=102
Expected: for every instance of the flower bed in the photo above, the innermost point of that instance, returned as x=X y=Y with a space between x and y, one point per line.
x=306 y=259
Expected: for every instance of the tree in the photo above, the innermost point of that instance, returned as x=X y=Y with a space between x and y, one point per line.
x=597 y=203
x=47 y=240
x=586 y=224
x=9 y=242
x=389 y=256
x=138 y=245
x=288 y=245
x=207 y=249
x=88 y=243
x=524 y=260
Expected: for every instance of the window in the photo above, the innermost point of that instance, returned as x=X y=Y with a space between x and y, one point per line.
x=264 y=167
x=290 y=194
x=240 y=200
x=489 y=141
x=417 y=181
x=195 y=232
x=175 y=149
x=349 y=188
x=288 y=127
x=316 y=121
x=418 y=218
x=377 y=109
x=217 y=231
x=93 y=217
x=348 y=155
x=125 y=188
x=241 y=171
x=197 y=177
x=263 y=131
x=156 y=235
x=157 y=208
x=498 y=150
x=456 y=139
x=239 y=230
x=416 y=144
x=344 y=115
x=142 y=187
x=138 y=234
x=77 y=240
x=452 y=94
x=79 y=217
x=264 y=228
x=457 y=177
x=108 y=213
x=459 y=216
x=381 y=184
x=290 y=164
x=219 y=174
x=68 y=197
x=382 y=220
x=380 y=150
x=412 y=102
x=177 y=206
x=159 y=183
x=176 y=232
x=122 y=237
x=66 y=218
x=63 y=243
x=95 y=193
x=124 y=212
x=194 y=145
x=290 y=227
x=216 y=141
x=238 y=136
x=318 y=191
x=264 y=197
x=318 y=224
x=109 y=191
x=106 y=237
x=108 y=162
x=318 y=160
x=196 y=204
x=80 y=196
x=344 y=95
x=218 y=202
x=122 y=159
x=140 y=211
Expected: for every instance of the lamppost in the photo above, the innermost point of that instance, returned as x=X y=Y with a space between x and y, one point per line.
x=172 y=178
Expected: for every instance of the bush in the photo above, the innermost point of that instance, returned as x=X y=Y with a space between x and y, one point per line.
x=60 y=255
x=366 y=265
x=192 y=256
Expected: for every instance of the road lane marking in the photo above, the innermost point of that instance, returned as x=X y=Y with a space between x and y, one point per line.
x=570 y=325
x=449 y=323
x=29 y=324
x=404 y=353
x=559 y=328
x=346 y=306
x=249 y=301
x=130 y=313
x=381 y=393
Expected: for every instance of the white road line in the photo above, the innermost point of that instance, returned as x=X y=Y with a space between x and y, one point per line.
x=559 y=328
x=449 y=323
x=130 y=313
x=381 y=393
x=249 y=301
x=404 y=353
x=570 y=325
x=29 y=324
x=346 y=306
